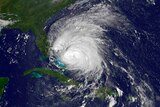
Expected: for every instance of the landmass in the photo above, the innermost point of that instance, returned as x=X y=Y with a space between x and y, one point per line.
x=38 y=72
x=102 y=92
x=32 y=15
x=3 y=82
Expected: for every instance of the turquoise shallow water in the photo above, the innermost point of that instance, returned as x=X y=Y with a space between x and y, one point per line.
x=58 y=63
x=36 y=75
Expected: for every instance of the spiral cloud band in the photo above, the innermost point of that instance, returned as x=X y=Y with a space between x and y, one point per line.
x=77 y=40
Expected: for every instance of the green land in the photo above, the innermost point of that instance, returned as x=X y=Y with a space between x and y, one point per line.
x=3 y=82
x=102 y=92
x=32 y=15
x=55 y=74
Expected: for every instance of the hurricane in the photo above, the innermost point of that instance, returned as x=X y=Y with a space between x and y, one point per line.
x=79 y=40
x=82 y=43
